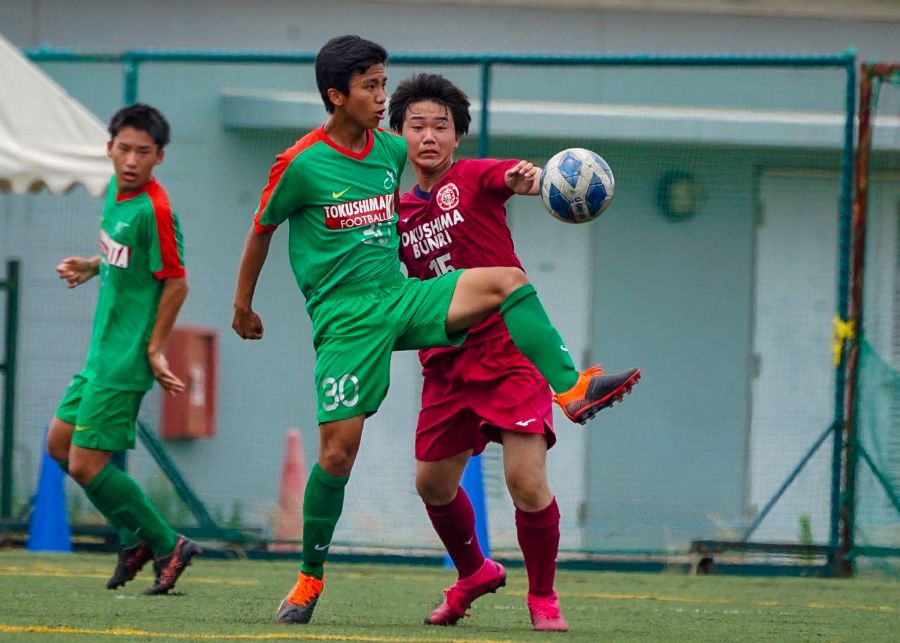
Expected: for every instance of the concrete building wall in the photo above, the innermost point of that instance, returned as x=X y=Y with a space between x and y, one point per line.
x=446 y=26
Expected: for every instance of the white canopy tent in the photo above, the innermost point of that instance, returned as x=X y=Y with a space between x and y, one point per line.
x=47 y=138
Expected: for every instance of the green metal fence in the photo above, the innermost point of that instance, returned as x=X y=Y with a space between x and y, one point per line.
x=10 y=285
x=730 y=71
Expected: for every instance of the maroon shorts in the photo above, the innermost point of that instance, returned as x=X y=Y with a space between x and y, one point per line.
x=470 y=395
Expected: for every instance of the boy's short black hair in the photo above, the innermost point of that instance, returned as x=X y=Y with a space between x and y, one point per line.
x=340 y=59
x=433 y=87
x=141 y=117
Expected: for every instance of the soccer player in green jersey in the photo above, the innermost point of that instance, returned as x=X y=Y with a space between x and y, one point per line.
x=142 y=287
x=338 y=189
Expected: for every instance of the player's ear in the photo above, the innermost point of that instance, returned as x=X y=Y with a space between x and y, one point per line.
x=160 y=156
x=336 y=97
x=109 y=146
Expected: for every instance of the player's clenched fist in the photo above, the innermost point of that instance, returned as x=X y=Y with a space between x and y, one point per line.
x=247 y=324
x=77 y=270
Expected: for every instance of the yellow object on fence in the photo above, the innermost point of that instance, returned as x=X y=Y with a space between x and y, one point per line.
x=843 y=330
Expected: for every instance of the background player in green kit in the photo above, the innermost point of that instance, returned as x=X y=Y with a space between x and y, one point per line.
x=143 y=285
x=338 y=189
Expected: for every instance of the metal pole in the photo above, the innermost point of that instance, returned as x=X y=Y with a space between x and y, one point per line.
x=838 y=59
x=9 y=386
x=787 y=483
x=130 y=90
x=861 y=184
x=842 y=306
x=857 y=283
x=485 y=101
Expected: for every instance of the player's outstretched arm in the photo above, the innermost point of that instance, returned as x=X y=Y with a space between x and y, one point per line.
x=245 y=322
x=77 y=270
x=524 y=178
x=173 y=295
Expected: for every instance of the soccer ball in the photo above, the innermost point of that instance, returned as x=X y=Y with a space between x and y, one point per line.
x=577 y=185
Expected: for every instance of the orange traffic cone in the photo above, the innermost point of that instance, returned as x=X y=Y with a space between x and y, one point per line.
x=289 y=516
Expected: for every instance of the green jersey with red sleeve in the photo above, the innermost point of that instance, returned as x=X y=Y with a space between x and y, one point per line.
x=341 y=209
x=140 y=247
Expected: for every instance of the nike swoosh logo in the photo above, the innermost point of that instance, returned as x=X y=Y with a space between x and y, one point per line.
x=469 y=541
x=525 y=422
x=82 y=428
x=338 y=195
x=563 y=348
x=323 y=547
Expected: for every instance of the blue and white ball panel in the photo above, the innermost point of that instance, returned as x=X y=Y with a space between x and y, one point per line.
x=559 y=202
x=570 y=168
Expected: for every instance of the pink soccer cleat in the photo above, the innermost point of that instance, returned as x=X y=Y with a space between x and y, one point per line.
x=457 y=599
x=545 y=614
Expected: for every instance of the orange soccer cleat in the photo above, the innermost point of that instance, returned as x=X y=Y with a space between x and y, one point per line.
x=594 y=391
x=298 y=605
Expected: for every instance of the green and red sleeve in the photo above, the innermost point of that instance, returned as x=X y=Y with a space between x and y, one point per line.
x=166 y=243
x=283 y=194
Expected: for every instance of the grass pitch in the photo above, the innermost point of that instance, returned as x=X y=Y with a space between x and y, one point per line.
x=62 y=597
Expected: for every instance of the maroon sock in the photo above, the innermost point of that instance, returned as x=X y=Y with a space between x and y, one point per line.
x=538 y=533
x=455 y=525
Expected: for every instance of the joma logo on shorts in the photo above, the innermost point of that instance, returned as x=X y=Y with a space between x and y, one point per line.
x=115 y=253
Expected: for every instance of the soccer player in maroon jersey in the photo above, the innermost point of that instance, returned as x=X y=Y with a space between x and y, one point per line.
x=485 y=390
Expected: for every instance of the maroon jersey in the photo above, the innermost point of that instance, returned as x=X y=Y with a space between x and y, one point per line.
x=461 y=223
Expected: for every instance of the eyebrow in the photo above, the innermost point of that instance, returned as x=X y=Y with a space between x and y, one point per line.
x=140 y=148
x=422 y=117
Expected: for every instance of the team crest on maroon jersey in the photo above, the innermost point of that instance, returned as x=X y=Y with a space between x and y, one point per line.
x=447 y=197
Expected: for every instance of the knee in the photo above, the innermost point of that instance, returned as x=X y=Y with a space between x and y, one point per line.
x=529 y=494
x=511 y=280
x=58 y=450
x=434 y=491
x=503 y=282
x=337 y=459
x=59 y=440
x=82 y=472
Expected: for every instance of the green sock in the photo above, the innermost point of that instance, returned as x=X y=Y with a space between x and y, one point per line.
x=322 y=506
x=537 y=338
x=126 y=536
x=116 y=494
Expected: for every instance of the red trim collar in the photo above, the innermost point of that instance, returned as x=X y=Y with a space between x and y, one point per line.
x=370 y=141
x=130 y=195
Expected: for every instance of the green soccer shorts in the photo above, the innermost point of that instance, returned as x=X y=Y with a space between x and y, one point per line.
x=357 y=327
x=103 y=417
